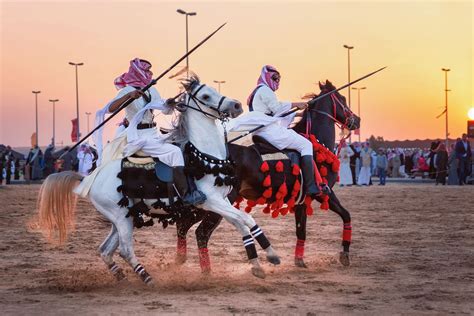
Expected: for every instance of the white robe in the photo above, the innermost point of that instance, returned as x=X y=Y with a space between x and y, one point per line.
x=345 y=173
x=150 y=141
x=85 y=162
x=265 y=103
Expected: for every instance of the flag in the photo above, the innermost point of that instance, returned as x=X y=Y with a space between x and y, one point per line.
x=33 y=139
x=441 y=114
x=74 y=130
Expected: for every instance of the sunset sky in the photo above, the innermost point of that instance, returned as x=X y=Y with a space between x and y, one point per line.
x=304 y=40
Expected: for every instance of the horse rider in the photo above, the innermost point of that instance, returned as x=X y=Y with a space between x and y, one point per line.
x=263 y=100
x=142 y=134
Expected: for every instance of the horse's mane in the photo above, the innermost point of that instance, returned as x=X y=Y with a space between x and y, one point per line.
x=179 y=133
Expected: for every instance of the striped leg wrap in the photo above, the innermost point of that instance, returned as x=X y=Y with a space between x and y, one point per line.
x=260 y=237
x=140 y=270
x=250 y=247
x=116 y=271
x=299 y=249
x=204 y=260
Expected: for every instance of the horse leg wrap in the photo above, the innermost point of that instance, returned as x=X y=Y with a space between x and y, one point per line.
x=346 y=236
x=250 y=247
x=140 y=270
x=181 y=247
x=299 y=249
x=204 y=260
x=260 y=237
x=116 y=271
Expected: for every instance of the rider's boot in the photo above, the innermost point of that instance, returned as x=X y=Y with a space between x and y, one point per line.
x=307 y=168
x=187 y=188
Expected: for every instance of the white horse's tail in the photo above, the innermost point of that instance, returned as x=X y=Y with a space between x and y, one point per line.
x=57 y=205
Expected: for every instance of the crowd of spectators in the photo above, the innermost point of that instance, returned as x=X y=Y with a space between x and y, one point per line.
x=360 y=162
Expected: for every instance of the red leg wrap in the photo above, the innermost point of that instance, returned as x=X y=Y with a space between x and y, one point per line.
x=299 y=250
x=204 y=260
x=181 y=248
x=347 y=232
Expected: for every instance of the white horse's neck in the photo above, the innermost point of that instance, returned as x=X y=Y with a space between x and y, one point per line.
x=204 y=134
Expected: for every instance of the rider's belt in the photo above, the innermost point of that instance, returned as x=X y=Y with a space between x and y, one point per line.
x=146 y=125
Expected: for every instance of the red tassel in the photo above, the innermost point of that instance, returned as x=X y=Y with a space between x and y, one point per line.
x=279 y=166
x=296 y=170
x=268 y=193
x=267 y=182
x=324 y=206
x=284 y=211
x=275 y=213
x=264 y=167
x=324 y=171
x=248 y=209
x=261 y=200
x=266 y=210
x=251 y=203
x=319 y=158
x=291 y=203
x=296 y=186
x=307 y=202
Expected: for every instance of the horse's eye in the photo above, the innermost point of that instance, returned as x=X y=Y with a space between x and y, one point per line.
x=205 y=97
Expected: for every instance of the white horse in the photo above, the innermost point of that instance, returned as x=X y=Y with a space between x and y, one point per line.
x=56 y=203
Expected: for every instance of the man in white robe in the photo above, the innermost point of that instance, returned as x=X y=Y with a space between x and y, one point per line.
x=264 y=110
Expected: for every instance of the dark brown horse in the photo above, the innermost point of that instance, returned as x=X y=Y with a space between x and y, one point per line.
x=319 y=119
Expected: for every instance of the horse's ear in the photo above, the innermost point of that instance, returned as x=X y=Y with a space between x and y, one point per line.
x=321 y=86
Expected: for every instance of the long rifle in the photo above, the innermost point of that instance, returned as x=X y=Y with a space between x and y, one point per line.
x=148 y=86
x=312 y=101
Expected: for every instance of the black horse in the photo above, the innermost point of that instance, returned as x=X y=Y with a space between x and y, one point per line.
x=318 y=120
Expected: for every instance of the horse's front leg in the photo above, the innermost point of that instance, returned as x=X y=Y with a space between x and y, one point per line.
x=203 y=234
x=300 y=220
x=182 y=227
x=335 y=206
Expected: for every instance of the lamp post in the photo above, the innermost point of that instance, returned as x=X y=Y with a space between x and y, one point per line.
x=88 y=115
x=77 y=98
x=358 y=103
x=446 y=100
x=54 y=120
x=349 y=77
x=187 y=58
x=219 y=82
x=36 y=106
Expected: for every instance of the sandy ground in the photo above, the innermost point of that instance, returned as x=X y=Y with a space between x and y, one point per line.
x=412 y=253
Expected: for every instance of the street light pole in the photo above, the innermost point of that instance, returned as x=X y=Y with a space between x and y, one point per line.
x=349 y=77
x=54 y=120
x=219 y=82
x=187 y=42
x=446 y=100
x=88 y=115
x=358 y=103
x=36 y=106
x=77 y=97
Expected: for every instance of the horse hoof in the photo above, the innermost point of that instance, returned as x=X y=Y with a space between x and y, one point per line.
x=344 y=258
x=274 y=260
x=180 y=258
x=119 y=275
x=299 y=262
x=258 y=272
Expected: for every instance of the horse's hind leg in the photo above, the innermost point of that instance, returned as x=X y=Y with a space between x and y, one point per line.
x=107 y=249
x=335 y=206
x=182 y=227
x=203 y=234
x=300 y=220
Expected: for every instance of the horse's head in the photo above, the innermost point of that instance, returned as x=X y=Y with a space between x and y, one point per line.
x=208 y=101
x=335 y=107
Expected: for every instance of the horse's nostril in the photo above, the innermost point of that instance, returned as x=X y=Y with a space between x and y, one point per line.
x=237 y=106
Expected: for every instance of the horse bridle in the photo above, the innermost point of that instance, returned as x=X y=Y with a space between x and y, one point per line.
x=348 y=115
x=221 y=115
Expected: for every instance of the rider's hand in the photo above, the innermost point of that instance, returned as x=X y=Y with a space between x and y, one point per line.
x=300 y=105
x=135 y=94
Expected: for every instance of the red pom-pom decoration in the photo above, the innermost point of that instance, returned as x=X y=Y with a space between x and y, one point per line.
x=266 y=210
x=261 y=200
x=295 y=170
x=267 y=182
x=264 y=167
x=267 y=193
x=275 y=213
x=279 y=166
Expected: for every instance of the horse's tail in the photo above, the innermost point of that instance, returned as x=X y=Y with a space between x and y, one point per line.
x=57 y=205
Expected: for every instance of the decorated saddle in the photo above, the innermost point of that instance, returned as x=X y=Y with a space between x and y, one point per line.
x=282 y=183
x=148 y=184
